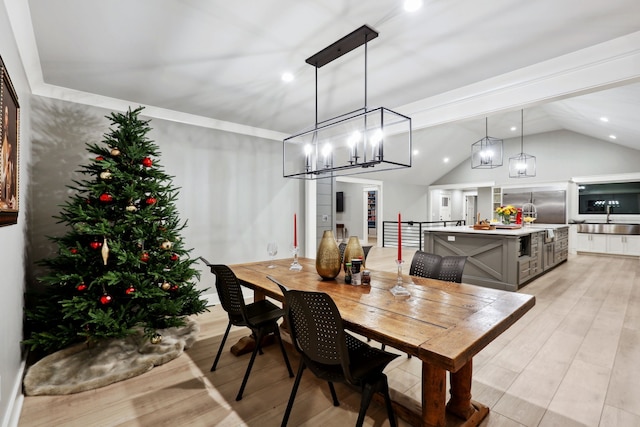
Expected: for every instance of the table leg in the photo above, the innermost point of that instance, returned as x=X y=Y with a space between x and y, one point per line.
x=433 y=396
x=258 y=295
x=460 y=401
x=248 y=343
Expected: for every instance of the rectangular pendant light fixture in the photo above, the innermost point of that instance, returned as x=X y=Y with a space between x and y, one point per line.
x=487 y=152
x=364 y=140
x=522 y=165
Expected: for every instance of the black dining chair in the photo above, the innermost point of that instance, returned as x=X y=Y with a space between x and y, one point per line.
x=331 y=353
x=425 y=264
x=261 y=317
x=366 y=250
x=451 y=268
x=342 y=246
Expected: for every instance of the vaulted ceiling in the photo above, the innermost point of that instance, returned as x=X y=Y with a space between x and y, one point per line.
x=223 y=61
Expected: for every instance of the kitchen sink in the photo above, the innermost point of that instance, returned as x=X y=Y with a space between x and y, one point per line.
x=610 y=228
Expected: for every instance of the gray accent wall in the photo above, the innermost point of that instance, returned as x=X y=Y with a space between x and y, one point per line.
x=325 y=197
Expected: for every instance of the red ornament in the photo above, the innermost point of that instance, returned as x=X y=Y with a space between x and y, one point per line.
x=95 y=244
x=73 y=250
x=130 y=290
x=147 y=162
x=174 y=257
x=81 y=287
x=144 y=257
x=151 y=200
x=106 y=198
x=173 y=288
x=99 y=158
x=105 y=299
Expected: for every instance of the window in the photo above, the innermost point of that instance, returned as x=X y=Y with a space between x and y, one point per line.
x=621 y=197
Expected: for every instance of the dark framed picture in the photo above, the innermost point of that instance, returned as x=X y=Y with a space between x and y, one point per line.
x=9 y=148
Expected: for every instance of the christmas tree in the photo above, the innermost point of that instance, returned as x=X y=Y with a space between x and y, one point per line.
x=122 y=264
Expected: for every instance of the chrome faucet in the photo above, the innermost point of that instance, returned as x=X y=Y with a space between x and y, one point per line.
x=608 y=213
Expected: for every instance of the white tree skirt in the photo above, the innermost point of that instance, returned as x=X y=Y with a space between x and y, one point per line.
x=80 y=368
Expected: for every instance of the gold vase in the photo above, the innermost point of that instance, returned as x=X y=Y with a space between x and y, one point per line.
x=352 y=251
x=328 y=257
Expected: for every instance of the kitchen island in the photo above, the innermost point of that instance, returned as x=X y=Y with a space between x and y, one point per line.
x=504 y=258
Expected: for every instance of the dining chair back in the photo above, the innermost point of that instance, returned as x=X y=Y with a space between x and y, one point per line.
x=331 y=353
x=452 y=268
x=366 y=249
x=261 y=317
x=425 y=264
x=342 y=246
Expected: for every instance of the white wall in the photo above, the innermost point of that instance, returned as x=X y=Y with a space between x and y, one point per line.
x=560 y=156
x=410 y=200
x=13 y=245
x=232 y=192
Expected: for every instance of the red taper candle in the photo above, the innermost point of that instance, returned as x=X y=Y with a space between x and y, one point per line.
x=295 y=230
x=399 y=237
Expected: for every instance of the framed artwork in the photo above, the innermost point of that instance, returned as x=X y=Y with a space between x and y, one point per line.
x=9 y=148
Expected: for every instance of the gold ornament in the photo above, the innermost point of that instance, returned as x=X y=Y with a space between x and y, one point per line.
x=115 y=152
x=156 y=339
x=166 y=245
x=106 y=175
x=328 y=257
x=131 y=208
x=105 y=251
x=165 y=286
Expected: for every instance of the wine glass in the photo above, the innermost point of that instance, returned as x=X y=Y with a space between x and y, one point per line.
x=272 y=250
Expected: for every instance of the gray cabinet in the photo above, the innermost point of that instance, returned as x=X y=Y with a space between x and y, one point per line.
x=500 y=259
x=530 y=263
x=556 y=251
x=561 y=248
x=543 y=254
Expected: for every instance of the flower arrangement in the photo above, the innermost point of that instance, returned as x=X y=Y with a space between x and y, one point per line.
x=505 y=212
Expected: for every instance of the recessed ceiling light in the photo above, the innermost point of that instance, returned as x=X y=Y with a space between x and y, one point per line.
x=416 y=152
x=287 y=77
x=613 y=137
x=604 y=119
x=513 y=128
x=412 y=5
x=446 y=160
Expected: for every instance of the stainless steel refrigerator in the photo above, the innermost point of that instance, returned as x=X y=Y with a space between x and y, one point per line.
x=551 y=205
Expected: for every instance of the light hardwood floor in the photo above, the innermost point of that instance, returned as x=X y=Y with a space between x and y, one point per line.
x=571 y=361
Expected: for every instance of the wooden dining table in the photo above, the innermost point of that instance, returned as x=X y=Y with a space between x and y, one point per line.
x=443 y=324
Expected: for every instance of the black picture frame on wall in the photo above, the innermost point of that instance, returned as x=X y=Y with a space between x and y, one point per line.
x=9 y=149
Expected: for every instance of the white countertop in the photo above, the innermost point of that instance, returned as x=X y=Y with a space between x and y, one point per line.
x=498 y=231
